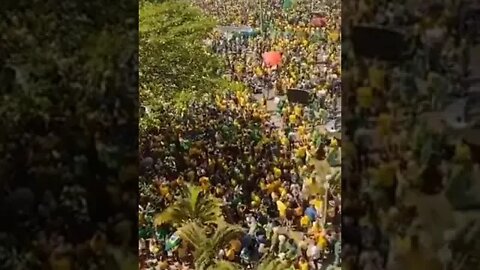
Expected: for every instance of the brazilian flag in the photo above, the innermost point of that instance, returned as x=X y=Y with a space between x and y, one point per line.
x=287 y=4
x=173 y=242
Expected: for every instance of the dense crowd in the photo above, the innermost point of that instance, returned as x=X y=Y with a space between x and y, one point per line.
x=280 y=183
x=406 y=171
x=310 y=53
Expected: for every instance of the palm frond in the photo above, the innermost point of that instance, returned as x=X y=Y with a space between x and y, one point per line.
x=176 y=213
x=225 y=265
x=225 y=233
x=194 y=192
x=194 y=206
x=193 y=234
x=204 y=258
x=209 y=209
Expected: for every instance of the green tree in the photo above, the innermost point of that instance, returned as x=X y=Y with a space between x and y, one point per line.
x=194 y=206
x=173 y=57
x=207 y=244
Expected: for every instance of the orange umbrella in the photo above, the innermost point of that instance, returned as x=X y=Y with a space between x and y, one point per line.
x=272 y=58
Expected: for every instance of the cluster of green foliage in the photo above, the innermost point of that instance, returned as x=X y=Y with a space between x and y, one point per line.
x=175 y=64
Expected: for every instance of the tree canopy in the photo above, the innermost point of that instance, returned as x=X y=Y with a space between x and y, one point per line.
x=174 y=61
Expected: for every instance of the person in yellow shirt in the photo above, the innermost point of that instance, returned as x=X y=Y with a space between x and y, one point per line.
x=334 y=36
x=270 y=188
x=317 y=204
x=277 y=172
x=305 y=221
x=230 y=254
x=301 y=153
x=283 y=192
x=259 y=71
x=262 y=185
x=321 y=241
x=297 y=110
x=303 y=264
x=292 y=119
x=282 y=209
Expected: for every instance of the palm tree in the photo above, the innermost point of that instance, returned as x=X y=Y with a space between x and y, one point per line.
x=194 y=206
x=207 y=245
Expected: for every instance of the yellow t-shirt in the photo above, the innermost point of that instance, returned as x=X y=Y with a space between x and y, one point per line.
x=333 y=142
x=271 y=188
x=259 y=71
x=305 y=221
x=263 y=186
x=292 y=118
x=303 y=265
x=241 y=101
x=282 y=208
x=322 y=242
x=230 y=254
x=256 y=198
x=301 y=152
x=277 y=172
x=318 y=204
